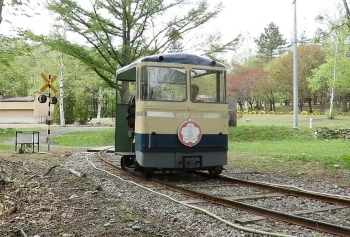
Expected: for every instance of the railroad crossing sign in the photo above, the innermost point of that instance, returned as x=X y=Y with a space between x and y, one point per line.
x=52 y=100
x=48 y=83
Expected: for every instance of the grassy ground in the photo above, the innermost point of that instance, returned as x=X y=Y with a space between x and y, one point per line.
x=258 y=139
x=288 y=120
x=101 y=137
x=9 y=133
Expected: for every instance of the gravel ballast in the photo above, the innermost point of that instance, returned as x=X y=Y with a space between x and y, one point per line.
x=43 y=198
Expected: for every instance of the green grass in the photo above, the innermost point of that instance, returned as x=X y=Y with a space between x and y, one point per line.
x=277 y=142
x=287 y=120
x=101 y=137
x=286 y=143
x=268 y=133
x=268 y=137
x=6 y=134
x=10 y=133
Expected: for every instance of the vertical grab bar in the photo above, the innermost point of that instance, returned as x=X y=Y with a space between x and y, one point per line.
x=149 y=136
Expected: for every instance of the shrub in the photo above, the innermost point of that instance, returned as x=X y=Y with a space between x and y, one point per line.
x=81 y=112
x=328 y=114
x=69 y=103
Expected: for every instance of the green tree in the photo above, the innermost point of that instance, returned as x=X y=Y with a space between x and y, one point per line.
x=310 y=56
x=13 y=73
x=117 y=32
x=82 y=110
x=333 y=77
x=270 y=42
x=79 y=80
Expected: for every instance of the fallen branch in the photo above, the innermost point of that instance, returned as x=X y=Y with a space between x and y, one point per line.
x=33 y=176
x=77 y=173
x=50 y=169
x=23 y=234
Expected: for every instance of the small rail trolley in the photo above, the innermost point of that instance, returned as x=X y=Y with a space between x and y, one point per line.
x=177 y=115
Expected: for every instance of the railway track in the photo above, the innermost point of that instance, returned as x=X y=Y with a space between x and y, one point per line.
x=272 y=199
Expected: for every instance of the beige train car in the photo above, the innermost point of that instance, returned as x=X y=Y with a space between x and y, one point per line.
x=178 y=117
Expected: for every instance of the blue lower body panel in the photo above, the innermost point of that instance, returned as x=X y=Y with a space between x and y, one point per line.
x=171 y=143
x=179 y=160
x=166 y=151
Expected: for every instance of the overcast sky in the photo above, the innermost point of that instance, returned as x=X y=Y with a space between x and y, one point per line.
x=254 y=15
x=249 y=17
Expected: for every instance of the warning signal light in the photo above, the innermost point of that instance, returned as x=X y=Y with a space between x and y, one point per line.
x=42 y=98
x=54 y=100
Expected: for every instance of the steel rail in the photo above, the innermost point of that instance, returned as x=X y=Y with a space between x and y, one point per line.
x=301 y=221
x=107 y=162
x=291 y=192
x=309 y=223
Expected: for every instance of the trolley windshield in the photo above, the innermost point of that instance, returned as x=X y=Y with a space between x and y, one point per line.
x=171 y=84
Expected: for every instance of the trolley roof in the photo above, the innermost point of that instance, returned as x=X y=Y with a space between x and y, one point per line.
x=128 y=73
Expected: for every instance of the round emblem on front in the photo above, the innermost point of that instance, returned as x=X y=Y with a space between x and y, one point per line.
x=189 y=133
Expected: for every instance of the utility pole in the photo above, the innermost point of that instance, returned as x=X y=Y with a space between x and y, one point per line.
x=295 y=71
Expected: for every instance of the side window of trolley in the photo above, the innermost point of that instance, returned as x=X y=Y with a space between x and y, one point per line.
x=163 y=83
x=207 y=86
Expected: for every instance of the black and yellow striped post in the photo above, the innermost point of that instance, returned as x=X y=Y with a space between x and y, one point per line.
x=49 y=85
x=49 y=116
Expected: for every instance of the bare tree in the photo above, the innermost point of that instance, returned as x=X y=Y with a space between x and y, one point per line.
x=1 y=4
x=61 y=82
x=346 y=8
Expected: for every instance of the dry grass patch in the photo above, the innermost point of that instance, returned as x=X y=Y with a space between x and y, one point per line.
x=288 y=168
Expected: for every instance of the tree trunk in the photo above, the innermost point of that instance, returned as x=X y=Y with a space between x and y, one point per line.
x=345 y=104
x=301 y=105
x=61 y=100
x=309 y=101
x=321 y=104
x=258 y=105
x=1 y=4
x=125 y=92
x=250 y=105
x=240 y=105
x=100 y=97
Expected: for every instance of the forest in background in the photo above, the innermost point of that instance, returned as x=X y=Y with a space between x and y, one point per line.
x=114 y=33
